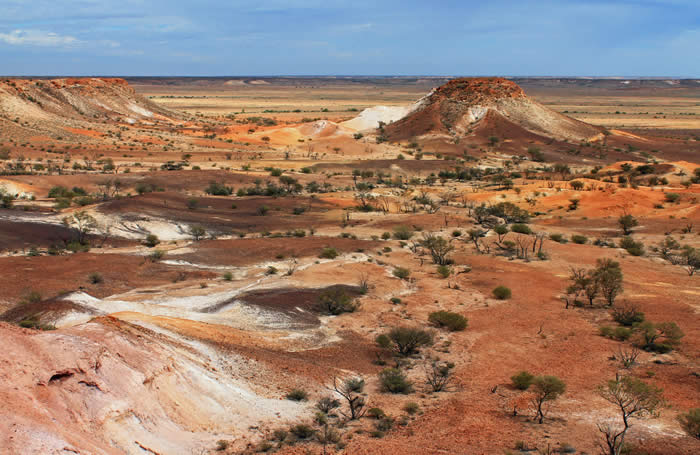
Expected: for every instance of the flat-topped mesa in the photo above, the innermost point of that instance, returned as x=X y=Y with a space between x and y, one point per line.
x=466 y=106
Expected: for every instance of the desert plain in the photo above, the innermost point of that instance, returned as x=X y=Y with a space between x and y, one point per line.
x=349 y=265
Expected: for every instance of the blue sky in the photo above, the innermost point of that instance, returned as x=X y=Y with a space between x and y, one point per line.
x=362 y=37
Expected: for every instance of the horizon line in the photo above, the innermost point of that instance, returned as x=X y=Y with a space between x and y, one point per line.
x=396 y=76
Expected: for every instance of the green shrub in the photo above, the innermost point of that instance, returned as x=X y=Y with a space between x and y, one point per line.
x=659 y=337
x=327 y=404
x=405 y=341
x=634 y=248
x=502 y=293
x=151 y=240
x=218 y=189
x=522 y=380
x=376 y=413
x=393 y=380
x=329 y=253
x=336 y=301
x=411 y=407
x=401 y=272
x=627 y=314
x=559 y=238
x=95 y=278
x=616 y=333
x=444 y=271
x=672 y=197
x=302 y=431
x=452 y=321
x=403 y=233
x=521 y=228
x=297 y=395
x=156 y=255
x=227 y=276
x=579 y=239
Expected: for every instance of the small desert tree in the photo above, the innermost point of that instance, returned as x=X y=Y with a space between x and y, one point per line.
x=350 y=390
x=83 y=223
x=197 y=232
x=627 y=223
x=438 y=246
x=405 y=341
x=545 y=389
x=659 y=337
x=690 y=259
x=608 y=274
x=585 y=282
x=633 y=398
x=438 y=375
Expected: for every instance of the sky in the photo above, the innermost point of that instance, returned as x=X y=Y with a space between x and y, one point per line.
x=360 y=37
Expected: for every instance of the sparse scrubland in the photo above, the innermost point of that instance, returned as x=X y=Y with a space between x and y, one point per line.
x=481 y=275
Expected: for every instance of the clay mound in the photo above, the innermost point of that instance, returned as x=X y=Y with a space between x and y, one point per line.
x=89 y=99
x=460 y=106
x=320 y=128
x=371 y=117
x=47 y=313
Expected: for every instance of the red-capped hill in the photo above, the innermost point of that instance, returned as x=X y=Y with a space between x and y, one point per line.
x=473 y=106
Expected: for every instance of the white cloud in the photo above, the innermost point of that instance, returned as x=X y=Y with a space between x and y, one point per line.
x=38 y=38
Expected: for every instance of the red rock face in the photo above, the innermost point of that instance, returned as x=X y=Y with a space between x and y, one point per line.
x=478 y=90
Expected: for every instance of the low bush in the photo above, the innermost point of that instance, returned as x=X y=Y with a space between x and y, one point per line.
x=411 y=407
x=559 y=238
x=328 y=253
x=522 y=380
x=616 y=333
x=444 y=271
x=393 y=380
x=627 y=314
x=502 y=293
x=297 y=395
x=336 y=301
x=401 y=272
x=579 y=239
x=521 y=228
x=405 y=341
x=672 y=197
x=446 y=319
x=327 y=404
x=302 y=431
x=403 y=233
x=659 y=337
x=634 y=248
x=151 y=240
x=218 y=189
x=95 y=278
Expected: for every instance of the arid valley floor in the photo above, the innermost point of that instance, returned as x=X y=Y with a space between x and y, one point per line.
x=347 y=265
